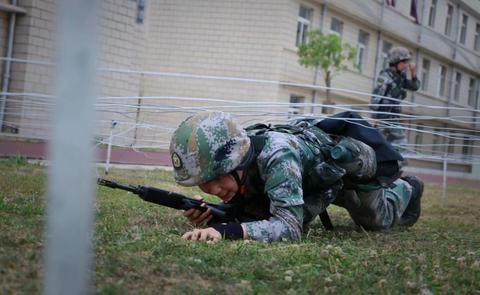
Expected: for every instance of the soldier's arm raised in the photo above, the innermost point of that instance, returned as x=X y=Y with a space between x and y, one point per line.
x=414 y=83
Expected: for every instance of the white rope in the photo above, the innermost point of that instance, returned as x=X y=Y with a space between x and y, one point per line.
x=250 y=111
x=433 y=131
x=237 y=79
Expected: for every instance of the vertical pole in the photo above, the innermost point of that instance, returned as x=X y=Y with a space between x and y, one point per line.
x=315 y=91
x=139 y=107
x=71 y=182
x=445 y=163
x=109 y=149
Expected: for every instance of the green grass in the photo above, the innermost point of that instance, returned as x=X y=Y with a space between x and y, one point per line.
x=138 y=248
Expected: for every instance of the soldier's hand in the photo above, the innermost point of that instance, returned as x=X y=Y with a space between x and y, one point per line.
x=205 y=234
x=196 y=216
x=413 y=67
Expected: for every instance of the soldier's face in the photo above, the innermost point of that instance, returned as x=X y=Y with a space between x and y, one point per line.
x=402 y=66
x=225 y=187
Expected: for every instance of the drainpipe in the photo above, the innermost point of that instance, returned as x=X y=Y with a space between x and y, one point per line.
x=378 y=57
x=323 y=16
x=8 y=63
x=378 y=54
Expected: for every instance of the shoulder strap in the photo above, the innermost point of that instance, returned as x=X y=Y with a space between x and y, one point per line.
x=256 y=133
x=258 y=141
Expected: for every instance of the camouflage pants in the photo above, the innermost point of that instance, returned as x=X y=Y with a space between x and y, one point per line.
x=394 y=135
x=376 y=209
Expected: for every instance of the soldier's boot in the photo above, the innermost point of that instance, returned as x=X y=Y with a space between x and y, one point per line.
x=412 y=213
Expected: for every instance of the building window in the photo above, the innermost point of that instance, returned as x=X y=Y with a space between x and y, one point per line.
x=476 y=43
x=477 y=90
x=362 y=49
x=419 y=138
x=386 y=48
x=295 y=109
x=457 y=85
x=390 y=2
x=413 y=10
x=425 y=73
x=449 y=19
x=451 y=143
x=467 y=148
x=463 y=29
x=140 y=11
x=303 y=24
x=436 y=141
x=431 y=14
x=472 y=99
x=336 y=27
x=442 y=81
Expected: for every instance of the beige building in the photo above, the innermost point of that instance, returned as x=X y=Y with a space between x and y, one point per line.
x=160 y=60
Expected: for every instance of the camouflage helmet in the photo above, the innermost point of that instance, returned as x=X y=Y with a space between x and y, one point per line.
x=397 y=54
x=207 y=145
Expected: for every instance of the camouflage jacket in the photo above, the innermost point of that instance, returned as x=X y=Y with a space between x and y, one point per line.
x=281 y=194
x=391 y=84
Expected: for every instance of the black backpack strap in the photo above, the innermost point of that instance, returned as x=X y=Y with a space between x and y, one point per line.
x=258 y=141
x=326 y=221
x=258 y=129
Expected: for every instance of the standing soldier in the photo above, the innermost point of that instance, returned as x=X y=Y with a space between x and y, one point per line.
x=392 y=82
x=279 y=180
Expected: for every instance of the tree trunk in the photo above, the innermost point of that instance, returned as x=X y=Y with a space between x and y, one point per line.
x=328 y=83
x=315 y=91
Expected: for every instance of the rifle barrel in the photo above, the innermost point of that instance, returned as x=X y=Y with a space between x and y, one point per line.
x=112 y=184
x=172 y=200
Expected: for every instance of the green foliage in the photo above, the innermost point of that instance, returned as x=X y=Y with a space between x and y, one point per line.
x=138 y=250
x=17 y=160
x=326 y=52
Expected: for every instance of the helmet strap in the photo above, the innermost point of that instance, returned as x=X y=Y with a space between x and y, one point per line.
x=240 y=181
x=240 y=184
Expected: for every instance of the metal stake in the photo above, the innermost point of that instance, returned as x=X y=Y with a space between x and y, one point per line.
x=71 y=177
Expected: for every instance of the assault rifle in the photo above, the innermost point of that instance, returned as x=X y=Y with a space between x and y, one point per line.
x=220 y=212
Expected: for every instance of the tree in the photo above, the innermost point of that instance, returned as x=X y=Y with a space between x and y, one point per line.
x=327 y=54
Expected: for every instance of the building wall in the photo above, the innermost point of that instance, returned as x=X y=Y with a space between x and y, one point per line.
x=353 y=79
x=238 y=39
x=120 y=47
x=424 y=42
x=3 y=35
x=34 y=33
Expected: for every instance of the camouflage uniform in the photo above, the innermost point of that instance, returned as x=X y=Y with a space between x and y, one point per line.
x=282 y=190
x=290 y=179
x=392 y=84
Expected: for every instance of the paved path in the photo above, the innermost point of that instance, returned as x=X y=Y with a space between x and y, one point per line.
x=38 y=150
x=130 y=157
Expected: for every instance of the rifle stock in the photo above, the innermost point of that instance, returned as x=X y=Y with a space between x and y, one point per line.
x=220 y=212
